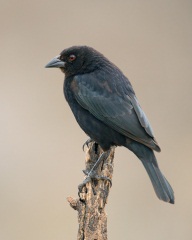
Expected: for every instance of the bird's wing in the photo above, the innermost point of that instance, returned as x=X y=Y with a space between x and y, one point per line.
x=110 y=103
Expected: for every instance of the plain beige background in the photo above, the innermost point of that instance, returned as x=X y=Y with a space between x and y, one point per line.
x=40 y=143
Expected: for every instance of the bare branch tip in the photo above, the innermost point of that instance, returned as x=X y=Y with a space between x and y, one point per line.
x=73 y=202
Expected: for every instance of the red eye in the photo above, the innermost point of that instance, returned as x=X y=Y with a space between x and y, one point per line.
x=72 y=58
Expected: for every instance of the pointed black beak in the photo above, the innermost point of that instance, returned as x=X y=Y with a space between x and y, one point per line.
x=55 y=63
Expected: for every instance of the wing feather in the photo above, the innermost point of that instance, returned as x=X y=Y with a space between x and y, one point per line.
x=117 y=109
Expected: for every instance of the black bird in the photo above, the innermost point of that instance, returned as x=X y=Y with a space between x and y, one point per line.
x=104 y=104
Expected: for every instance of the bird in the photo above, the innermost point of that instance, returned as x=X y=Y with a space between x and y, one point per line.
x=105 y=106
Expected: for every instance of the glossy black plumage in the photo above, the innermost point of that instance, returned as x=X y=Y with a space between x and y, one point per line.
x=106 y=108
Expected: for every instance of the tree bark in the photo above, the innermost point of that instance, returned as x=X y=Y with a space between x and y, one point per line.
x=93 y=196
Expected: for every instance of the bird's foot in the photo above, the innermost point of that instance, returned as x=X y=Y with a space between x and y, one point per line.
x=92 y=175
x=91 y=178
x=86 y=144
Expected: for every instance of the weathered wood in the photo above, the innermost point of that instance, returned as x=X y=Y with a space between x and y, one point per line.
x=92 y=217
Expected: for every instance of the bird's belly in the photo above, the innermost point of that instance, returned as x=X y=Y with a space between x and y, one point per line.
x=97 y=130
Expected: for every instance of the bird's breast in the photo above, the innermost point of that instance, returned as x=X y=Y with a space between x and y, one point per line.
x=69 y=89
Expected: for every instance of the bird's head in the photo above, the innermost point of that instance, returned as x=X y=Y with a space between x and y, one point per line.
x=77 y=60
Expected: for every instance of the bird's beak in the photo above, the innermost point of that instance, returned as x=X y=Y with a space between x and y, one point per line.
x=55 y=63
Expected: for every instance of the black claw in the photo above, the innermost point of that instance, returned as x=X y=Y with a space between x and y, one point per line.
x=87 y=143
x=85 y=172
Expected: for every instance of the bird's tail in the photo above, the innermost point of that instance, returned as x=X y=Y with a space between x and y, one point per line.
x=160 y=184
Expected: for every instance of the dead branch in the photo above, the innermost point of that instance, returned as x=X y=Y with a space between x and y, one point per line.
x=92 y=217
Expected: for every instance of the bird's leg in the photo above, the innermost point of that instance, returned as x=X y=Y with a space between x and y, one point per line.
x=92 y=175
x=103 y=156
x=87 y=143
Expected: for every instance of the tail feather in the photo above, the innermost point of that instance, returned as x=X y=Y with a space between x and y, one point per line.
x=160 y=184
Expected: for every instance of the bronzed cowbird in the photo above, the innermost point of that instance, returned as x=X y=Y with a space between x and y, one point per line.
x=105 y=106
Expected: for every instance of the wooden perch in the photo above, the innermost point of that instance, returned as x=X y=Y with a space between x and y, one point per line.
x=92 y=217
